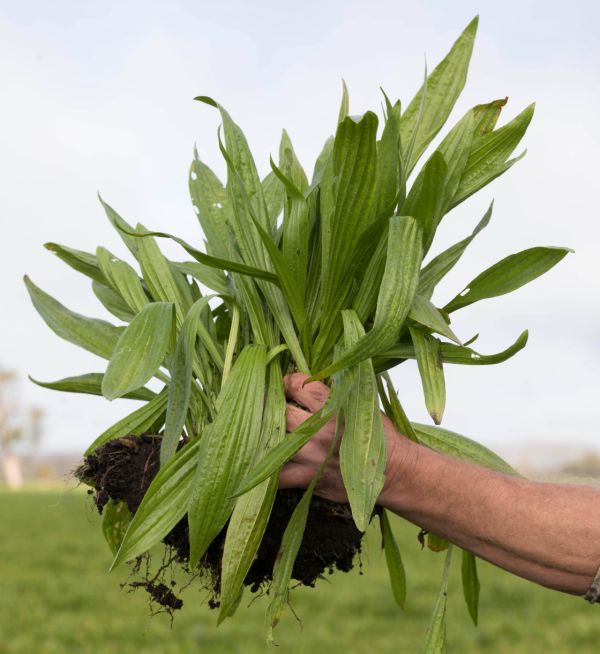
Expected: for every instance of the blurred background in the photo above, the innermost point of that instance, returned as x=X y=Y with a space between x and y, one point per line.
x=98 y=97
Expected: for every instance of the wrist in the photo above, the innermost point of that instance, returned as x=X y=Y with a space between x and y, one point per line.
x=402 y=460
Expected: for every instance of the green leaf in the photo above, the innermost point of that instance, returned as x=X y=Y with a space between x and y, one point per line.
x=213 y=262
x=290 y=545
x=470 y=583
x=347 y=207
x=115 y=520
x=97 y=336
x=158 y=275
x=210 y=277
x=90 y=383
x=429 y=360
x=274 y=198
x=228 y=446
x=461 y=447
x=83 y=262
x=181 y=379
x=393 y=560
x=252 y=510
x=164 y=504
x=396 y=412
x=363 y=448
x=425 y=198
x=395 y=297
x=112 y=301
x=444 y=85
x=135 y=423
x=489 y=155
x=140 y=350
x=388 y=163
x=126 y=281
x=457 y=354
x=436 y=634
x=345 y=103
x=508 y=274
x=284 y=562
x=122 y=227
x=209 y=199
x=438 y=267
x=426 y=314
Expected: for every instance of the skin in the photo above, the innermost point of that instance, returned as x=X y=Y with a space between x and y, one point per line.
x=547 y=533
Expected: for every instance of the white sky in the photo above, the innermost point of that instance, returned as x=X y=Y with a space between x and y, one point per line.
x=98 y=96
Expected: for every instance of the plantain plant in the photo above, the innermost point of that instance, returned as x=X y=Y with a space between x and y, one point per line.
x=323 y=276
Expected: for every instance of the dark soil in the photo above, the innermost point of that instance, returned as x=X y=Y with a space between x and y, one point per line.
x=122 y=469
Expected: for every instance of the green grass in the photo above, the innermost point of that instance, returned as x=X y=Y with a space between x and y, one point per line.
x=56 y=597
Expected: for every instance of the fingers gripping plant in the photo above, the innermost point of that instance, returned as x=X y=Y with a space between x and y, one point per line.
x=325 y=277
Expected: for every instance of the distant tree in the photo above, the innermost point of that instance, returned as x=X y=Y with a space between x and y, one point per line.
x=20 y=432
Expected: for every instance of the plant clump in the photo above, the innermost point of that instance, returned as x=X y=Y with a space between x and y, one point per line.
x=331 y=275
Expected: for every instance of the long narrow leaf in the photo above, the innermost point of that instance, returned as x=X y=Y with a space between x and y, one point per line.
x=135 y=423
x=461 y=447
x=429 y=360
x=251 y=514
x=164 y=504
x=97 y=336
x=140 y=350
x=228 y=447
x=91 y=384
x=393 y=560
x=470 y=583
x=395 y=297
x=444 y=85
x=362 y=451
x=508 y=274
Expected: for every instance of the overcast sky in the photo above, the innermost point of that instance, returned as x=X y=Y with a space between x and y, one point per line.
x=98 y=97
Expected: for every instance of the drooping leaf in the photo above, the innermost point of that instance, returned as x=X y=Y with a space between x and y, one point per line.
x=90 y=383
x=164 y=504
x=471 y=585
x=363 y=448
x=456 y=354
x=140 y=350
x=228 y=446
x=461 y=447
x=115 y=520
x=508 y=274
x=251 y=513
x=135 y=423
x=436 y=633
x=444 y=85
x=393 y=559
x=97 y=336
x=431 y=370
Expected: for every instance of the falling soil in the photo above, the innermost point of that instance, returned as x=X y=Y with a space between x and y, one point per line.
x=123 y=468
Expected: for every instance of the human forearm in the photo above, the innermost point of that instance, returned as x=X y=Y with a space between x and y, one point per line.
x=543 y=532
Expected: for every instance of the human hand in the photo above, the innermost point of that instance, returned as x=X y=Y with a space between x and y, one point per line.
x=300 y=470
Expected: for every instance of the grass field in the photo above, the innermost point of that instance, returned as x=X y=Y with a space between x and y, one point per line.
x=56 y=597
